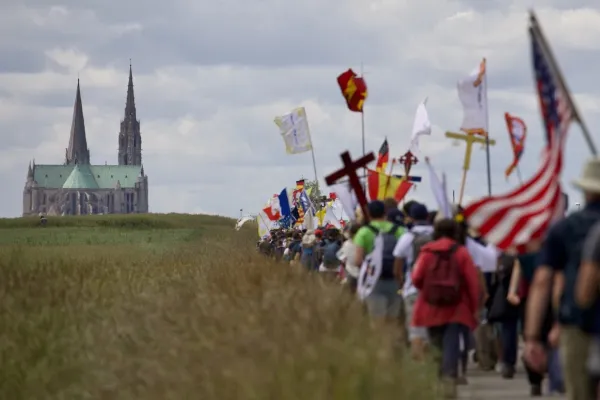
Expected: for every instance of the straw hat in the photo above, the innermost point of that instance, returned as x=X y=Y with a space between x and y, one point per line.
x=590 y=179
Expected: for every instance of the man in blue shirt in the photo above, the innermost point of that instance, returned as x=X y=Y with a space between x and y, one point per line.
x=586 y=295
x=557 y=271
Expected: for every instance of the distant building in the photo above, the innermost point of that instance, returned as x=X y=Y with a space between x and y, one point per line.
x=80 y=188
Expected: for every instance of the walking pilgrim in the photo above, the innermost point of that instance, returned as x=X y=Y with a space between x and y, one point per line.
x=458 y=278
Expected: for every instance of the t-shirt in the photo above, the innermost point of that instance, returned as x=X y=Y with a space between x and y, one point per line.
x=562 y=251
x=591 y=253
x=365 y=237
x=404 y=249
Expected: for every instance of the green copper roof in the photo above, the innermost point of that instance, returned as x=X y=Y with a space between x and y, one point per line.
x=81 y=178
x=105 y=176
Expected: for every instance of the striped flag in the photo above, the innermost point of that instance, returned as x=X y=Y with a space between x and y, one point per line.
x=383 y=157
x=525 y=213
x=382 y=186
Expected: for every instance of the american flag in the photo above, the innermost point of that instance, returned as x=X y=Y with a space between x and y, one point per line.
x=525 y=213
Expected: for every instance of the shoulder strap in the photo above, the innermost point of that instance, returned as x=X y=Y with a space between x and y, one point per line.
x=372 y=228
x=394 y=229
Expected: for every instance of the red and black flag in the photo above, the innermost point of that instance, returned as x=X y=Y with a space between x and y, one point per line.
x=354 y=90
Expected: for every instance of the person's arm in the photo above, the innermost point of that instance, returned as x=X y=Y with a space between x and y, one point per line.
x=552 y=257
x=588 y=279
x=360 y=242
x=399 y=256
x=513 y=287
x=418 y=270
x=472 y=276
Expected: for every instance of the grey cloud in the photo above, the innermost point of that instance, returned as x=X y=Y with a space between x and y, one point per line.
x=178 y=59
x=20 y=60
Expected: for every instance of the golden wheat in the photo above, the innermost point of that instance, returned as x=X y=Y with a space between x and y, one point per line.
x=180 y=307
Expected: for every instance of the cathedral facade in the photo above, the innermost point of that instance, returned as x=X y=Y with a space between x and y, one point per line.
x=78 y=187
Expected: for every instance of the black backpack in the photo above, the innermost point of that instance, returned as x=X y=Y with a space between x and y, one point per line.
x=389 y=243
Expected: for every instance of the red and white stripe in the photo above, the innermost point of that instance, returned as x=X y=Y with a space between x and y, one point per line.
x=525 y=213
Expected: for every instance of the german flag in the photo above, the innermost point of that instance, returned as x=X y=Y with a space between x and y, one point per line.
x=381 y=186
x=354 y=90
x=383 y=158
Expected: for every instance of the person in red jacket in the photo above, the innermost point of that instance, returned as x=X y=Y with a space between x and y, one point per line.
x=449 y=297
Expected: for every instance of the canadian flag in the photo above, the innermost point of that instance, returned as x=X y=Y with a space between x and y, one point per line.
x=273 y=210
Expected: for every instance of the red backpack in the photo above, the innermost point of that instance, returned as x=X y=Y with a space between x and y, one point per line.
x=442 y=280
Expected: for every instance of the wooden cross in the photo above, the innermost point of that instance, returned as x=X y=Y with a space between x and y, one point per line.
x=469 y=139
x=349 y=170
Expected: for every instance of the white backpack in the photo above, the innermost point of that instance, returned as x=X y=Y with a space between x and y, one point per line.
x=370 y=270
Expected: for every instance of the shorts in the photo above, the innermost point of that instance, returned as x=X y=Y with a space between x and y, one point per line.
x=414 y=332
x=384 y=301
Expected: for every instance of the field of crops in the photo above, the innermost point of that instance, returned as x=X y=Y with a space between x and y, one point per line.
x=180 y=307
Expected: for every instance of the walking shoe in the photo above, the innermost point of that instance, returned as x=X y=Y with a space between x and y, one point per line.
x=536 y=390
x=508 y=371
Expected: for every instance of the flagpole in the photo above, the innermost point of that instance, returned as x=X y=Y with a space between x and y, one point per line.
x=487 y=133
x=314 y=161
x=519 y=175
x=362 y=123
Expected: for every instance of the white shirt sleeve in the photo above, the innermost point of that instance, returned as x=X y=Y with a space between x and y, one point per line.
x=403 y=245
x=485 y=258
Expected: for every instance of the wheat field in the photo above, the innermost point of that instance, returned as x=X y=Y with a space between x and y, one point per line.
x=181 y=307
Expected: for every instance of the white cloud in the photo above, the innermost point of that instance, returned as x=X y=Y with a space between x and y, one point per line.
x=210 y=77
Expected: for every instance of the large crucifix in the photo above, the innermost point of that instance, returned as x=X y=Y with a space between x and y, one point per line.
x=349 y=170
x=469 y=139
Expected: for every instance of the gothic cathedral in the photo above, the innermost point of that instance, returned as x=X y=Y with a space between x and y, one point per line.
x=79 y=188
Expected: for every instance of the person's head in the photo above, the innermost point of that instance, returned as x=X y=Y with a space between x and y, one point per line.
x=445 y=228
x=297 y=236
x=319 y=234
x=351 y=230
x=376 y=210
x=589 y=181
x=431 y=217
x=395 y=216
x=390 y=204
x=418 y=212
x=406 y=207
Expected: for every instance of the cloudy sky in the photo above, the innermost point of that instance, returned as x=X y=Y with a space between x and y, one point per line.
x=211 y=76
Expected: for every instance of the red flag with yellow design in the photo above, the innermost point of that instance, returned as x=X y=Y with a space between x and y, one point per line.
x=354 y=90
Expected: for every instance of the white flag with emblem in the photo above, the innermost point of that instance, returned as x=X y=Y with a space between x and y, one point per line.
x=294 y=131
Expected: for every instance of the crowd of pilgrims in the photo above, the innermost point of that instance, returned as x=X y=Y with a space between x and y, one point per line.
x=483 y=316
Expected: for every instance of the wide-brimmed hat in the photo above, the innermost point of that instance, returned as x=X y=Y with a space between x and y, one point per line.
x=590 y=178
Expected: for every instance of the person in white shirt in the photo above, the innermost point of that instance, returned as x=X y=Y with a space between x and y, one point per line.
x=347 y=255
x=404 y=253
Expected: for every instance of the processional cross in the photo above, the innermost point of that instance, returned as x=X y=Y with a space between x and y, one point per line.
x=408 y=160
x=349 y=170
x=469 y=139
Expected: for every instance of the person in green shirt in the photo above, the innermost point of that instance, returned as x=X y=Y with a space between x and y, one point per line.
x=385 y=300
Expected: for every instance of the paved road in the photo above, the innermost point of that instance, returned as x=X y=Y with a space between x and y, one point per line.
x=490 y=386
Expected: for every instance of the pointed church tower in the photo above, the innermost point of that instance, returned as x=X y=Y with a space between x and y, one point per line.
x=77 y=152
x=130 y=139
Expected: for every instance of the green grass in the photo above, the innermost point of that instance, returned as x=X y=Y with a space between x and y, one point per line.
x=180 y=307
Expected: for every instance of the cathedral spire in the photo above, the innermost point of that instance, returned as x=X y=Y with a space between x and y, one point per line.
x=130 y=140
x=130 y=104
x=78 y=150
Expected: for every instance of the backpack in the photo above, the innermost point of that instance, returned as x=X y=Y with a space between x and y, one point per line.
x=443 y=280
x=389 y=243
x=330 y=251
x=420 y=240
